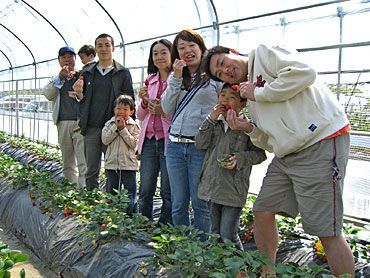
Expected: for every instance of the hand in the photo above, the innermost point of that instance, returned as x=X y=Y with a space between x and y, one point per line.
x=78 y=88
x=155 y=107
x=246 y=90
x=237 y=123
x=143 y=93
x=217 y=110
x=120 y=122
x=178 y=67
x=73 y=94
x=231 y=164
x=64 y=72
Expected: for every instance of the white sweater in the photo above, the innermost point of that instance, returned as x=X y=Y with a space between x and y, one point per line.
x=292 y=110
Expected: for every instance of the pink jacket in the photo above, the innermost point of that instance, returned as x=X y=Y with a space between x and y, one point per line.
x=144 y=115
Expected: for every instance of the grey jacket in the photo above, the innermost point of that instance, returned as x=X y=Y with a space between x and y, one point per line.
x=220 y=185
x=190 y=119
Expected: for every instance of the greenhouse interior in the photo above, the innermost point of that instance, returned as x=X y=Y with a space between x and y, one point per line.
x=59 y=222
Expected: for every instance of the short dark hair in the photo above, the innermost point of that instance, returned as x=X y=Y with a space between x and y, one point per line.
x=151 y=67
x=125 y=100
x=104 y=35
x=87 y=50
x=207 y=59
x=190 y=36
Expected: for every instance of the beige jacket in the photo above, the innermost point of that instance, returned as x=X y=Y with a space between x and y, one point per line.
x=120 y=154
x=292 y=110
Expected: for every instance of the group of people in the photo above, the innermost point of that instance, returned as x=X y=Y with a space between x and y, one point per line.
x=193 y=135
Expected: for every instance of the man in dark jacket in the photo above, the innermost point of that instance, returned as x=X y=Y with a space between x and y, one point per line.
x=100 y=86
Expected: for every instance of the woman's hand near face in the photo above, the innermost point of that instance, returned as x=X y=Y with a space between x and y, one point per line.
x=143 y=93
x=178 y=67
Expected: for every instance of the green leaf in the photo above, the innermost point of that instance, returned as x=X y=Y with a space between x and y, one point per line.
x=8 y=264
x=22 y=273
x=20 y=258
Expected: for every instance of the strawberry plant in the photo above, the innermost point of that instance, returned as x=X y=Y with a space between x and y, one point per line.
x=8 y=258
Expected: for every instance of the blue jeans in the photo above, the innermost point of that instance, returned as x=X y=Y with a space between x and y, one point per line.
x=127 y=178
x=184 y=165
x=225 y=222
x=152 y=162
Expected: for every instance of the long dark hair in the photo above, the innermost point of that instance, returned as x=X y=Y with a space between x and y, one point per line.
x=151 y=67
x=190 y=36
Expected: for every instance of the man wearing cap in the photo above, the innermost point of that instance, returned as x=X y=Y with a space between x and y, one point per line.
x=300 y=121
x=66 y=113
x=102 y=83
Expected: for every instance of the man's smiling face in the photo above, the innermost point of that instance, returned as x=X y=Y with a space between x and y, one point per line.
x=229 y=67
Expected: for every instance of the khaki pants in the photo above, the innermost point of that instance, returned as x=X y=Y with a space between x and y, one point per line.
x=303 y=182
x=71 y=143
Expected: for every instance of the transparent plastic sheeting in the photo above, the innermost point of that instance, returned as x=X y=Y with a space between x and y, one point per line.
x=32 y=31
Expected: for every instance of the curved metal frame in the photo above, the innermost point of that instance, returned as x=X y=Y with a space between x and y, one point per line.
x=46 y=21
x=25 y=45
x=122 y=44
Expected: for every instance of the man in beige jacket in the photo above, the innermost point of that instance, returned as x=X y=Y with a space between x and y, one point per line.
x=302 y=123
x=65 y=116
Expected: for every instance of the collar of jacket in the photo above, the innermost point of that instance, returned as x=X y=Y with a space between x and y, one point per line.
x=116 y=67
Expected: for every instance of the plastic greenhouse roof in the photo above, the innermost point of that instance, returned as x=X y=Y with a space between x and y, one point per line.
x=32 y=31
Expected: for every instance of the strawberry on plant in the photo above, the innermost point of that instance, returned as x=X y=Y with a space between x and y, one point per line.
x=83 y=253
x=65 y=213
x=103 y=227
x=247 y=237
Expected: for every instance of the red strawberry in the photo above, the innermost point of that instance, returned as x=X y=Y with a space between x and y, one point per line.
x=186 y=60
x=227 y=106
x=65 y=213
x=83 y=253
x=103 y=226
x=235 y=87
x=81 y=77
x=247 y=237
x=146 y=82
x=250 y=228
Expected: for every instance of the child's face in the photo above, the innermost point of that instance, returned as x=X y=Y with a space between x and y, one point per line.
x=232 y=98
x=123 y=110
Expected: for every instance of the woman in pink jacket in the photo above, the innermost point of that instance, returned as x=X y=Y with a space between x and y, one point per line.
x=154 y=133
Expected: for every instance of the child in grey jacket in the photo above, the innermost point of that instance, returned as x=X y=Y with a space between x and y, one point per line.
x=121 y=134
x=230 y=154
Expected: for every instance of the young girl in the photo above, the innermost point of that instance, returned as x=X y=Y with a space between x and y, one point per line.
x=120 y=134
x=227 y=166
x=184 y=161
x=154 y=133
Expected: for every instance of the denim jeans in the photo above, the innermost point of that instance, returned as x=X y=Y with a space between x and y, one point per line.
x=152 y=162
x=225 y=222
x=184 y=165
x=127 y=178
